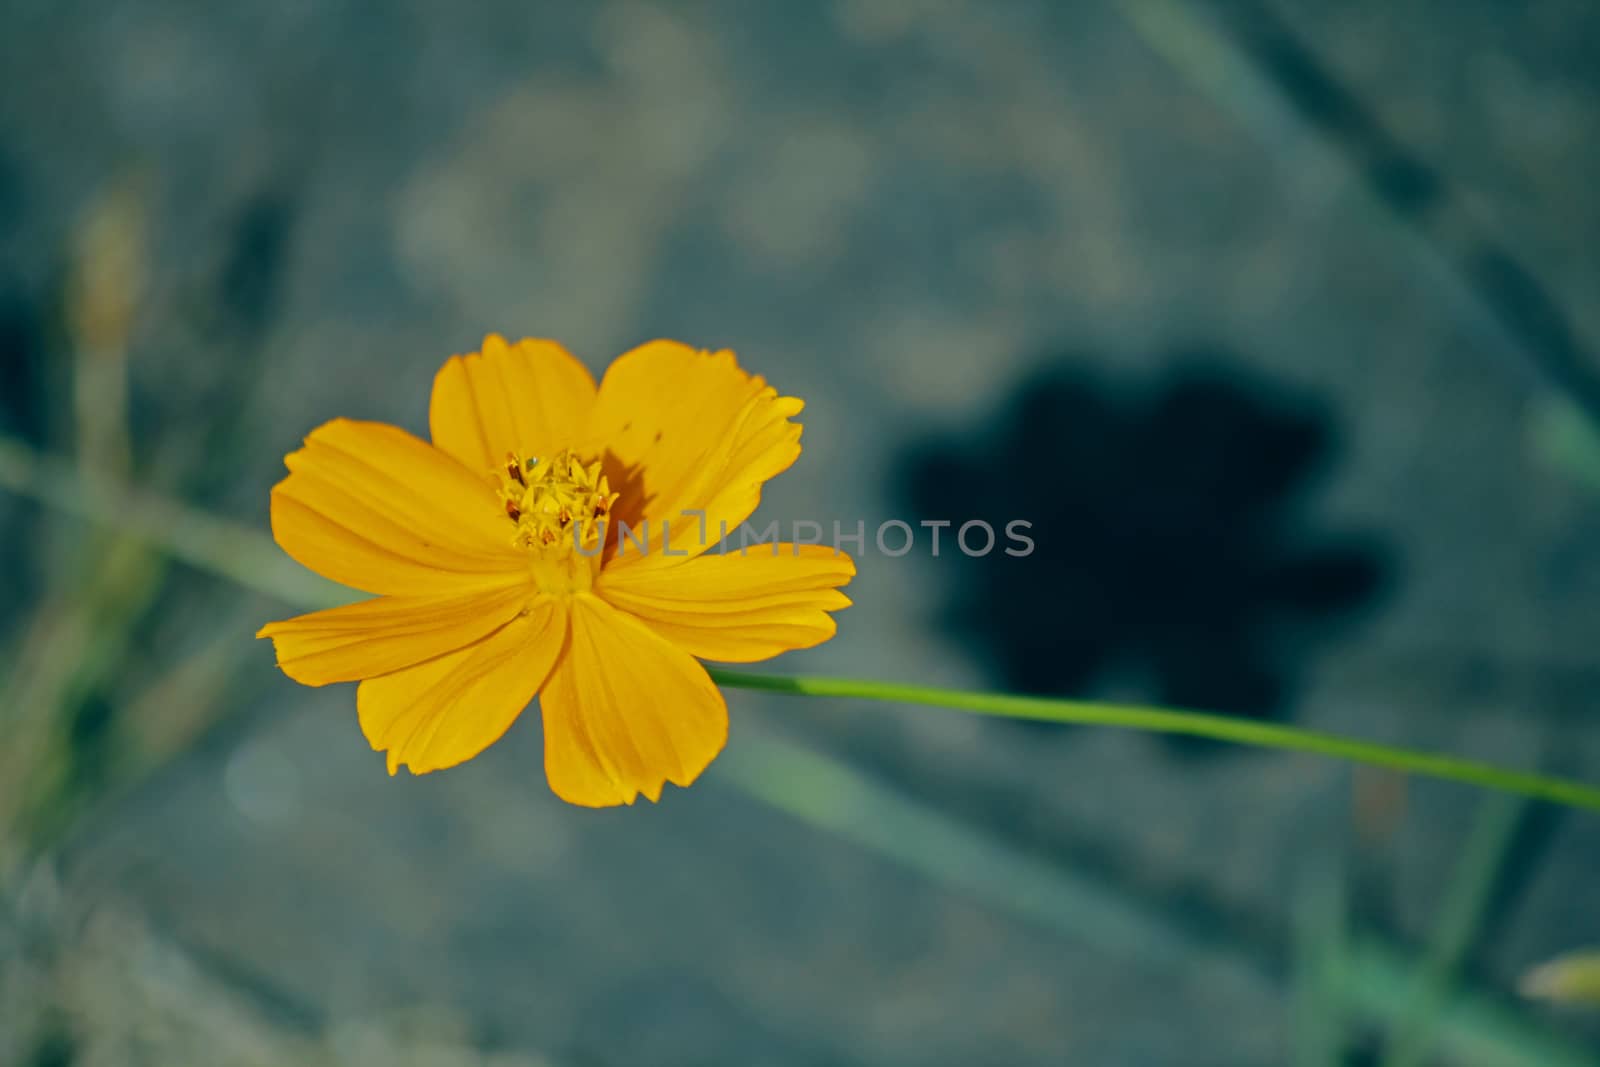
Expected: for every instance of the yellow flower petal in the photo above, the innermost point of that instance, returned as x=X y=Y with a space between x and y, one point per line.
x=737 y=608
x=625 y=711
x=447 y=710
x=372 y=507
x=532 y=398
x=683 y=430
x=379 y=636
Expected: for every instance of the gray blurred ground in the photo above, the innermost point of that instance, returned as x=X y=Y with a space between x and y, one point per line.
x=896 y=210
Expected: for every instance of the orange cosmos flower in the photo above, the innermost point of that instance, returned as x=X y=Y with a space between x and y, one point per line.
x=497 y=579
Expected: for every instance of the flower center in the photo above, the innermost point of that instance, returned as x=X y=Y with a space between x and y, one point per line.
x=558 y=505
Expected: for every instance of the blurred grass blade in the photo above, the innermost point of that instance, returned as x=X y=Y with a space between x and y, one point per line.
x=1472 y=1028
x=1250 y=59
x=1372 y=980
x=239 y=553
x=832 y=796
x=1563 y=435
x=69 y=647
x=105 y=281
x=1569 y=979
x=1320 y=940
x=1460 y=918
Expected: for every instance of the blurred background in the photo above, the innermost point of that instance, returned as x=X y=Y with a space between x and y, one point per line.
x=1277 y=320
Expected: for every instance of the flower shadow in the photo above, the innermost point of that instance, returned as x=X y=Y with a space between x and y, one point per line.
x=1178 y=557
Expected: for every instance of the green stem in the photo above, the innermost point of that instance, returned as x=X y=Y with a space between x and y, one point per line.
x=1190 y=723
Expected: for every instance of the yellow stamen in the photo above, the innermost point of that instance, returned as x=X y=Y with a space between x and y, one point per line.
x=557 y=505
